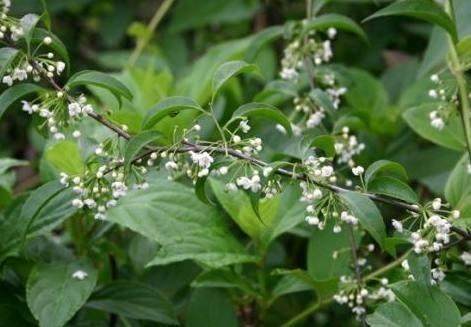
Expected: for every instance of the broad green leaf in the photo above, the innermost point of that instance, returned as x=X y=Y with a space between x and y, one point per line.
x=170 y=214
x=28 y=23
x=326 y=143
x=457 y=284
x=224 y=278
x=7 y=56
x=7 y=163
x=210 y=308
x=385 y=168
x=277 y=215
x=393 y=187
x=420 y=268
x=44 y=209
x=290 y=283
x=261 y=39
x=95 y=78
x=329 y=254
x=265 y=111
x=134 y=300
x=137 y=143
x=276 y=92
x=168 y=107
x=15 y=93
x=228 y=70
x=451 y=136
x=393 y=314
x=429 y=304
x=458 y=188
x=54 y=295
x=367 y=213
x=421 y=9
x=340 y=22
x=65 y=157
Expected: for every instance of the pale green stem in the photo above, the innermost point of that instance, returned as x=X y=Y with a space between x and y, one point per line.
x=154 y=22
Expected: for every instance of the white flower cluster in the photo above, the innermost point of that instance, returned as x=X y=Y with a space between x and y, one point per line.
x=320 y=168
x=312 y=47
x=347 y=146
x=203 y=160
x=356 y=299
x=250 y=183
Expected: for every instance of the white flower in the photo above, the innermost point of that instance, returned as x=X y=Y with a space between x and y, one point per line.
x=397 y=225
x=358 y=170
x=437 y=123
x=405 y=265
x=466 y=257
x=59 y=136
x=249 y=183
x=171 y=165
x=60 y=66
x=202 y=159
x=331 y=32
x=288 y=73
x=244 y=125
x=337 y=229
x=281 y=128
x=434 y=78
x=27 y=107
x=80 y=275
x=223 y=170
x=20 y=74
x=236 y=139
x=455 y=214
x=76 y=134
x=327 y=171
x=47 y=40
x=231 y=187
x=311 y=220
x=7 y=80
x=74 y=109
x=436 y=204
x=267 y=171
x=77 y=203
x=433 y=94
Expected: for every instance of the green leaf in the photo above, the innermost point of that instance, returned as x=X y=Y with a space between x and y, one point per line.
x=137 y=143
x=134 y=300
x=457 y=284
x=429 y=304
x=91 y=77
x=463 y=48
x=420 y=268
x=224 y=278
x=340 y=22
x=451 y=136
x=329 y=254
x=168 y=107
x=421 y=9
x=276 y=215
x=228 y=70
x=7 y=56
x=393 y=314
x=322 y=99
x=7 y=163
x=367 y=213
x=393 y=187
x=458 y=188
x=210 y=308
x=170 y=214
x=326 y=143
x=28 y=23
x=261 y=39
x=264 y=111
x=385 y=168
x=65 y=157
x=15 y=93
x=54 y=296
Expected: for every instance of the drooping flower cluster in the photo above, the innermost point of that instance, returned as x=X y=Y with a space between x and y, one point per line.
x=347 y=146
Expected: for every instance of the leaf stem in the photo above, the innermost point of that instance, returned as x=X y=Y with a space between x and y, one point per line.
x=154 y=22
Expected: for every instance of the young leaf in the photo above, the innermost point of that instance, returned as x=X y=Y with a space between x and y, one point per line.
x=429 y=304
x=7 y=55
x=393 y=314
x=65 y=157
x=451 y=136
x=228 y=70
x=16 y=92
x=326 y=143
x=137 y=143
x=334 y=20
x=54 y=295
x=421 y=9
x=134 y=300
x=28 y=23
x=168 y=107
x=261 y=39
x=367 y=213
x=385 y=168
x=91 y=77
x=265 y=111
x=393 y=187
